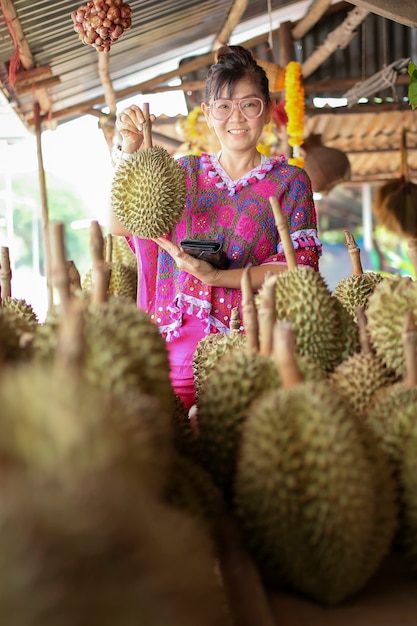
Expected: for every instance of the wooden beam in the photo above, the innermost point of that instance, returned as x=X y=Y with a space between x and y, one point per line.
x=401 y=11
x=25 y=54
x=190 y=66
x=338 y=39
x=232 y=20
x=33 y=75
x=46 y=83
x=315 y=11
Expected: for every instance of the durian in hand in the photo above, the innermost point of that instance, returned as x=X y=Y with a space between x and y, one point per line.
x=355 y=290
x=148 y=190
x=313 y=496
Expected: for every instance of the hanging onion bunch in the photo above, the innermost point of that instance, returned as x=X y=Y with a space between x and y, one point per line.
x=100 y=23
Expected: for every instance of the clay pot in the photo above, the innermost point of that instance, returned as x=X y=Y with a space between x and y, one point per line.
x=326 y=167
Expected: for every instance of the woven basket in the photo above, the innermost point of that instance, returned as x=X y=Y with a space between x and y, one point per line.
x=395 y=202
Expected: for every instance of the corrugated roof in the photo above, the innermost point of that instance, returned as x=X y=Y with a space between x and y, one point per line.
x=164 y=32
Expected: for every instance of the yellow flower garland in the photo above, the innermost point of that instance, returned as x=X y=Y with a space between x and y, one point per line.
x=294 y=107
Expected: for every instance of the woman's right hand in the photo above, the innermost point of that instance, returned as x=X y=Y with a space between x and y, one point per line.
x=129 y=123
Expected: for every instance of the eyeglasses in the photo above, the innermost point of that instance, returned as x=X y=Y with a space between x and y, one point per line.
x=251 y=108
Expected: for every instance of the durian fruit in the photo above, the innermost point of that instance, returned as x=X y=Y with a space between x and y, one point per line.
x=23 y=309
x=123 y=278
x=359 y=377
x=86 y=534
x=233 y=383
x=94 y=557
x=212 y=347
x=388 y=304
x=124 y=350
x=191 y=488
x=121 y=252
x=303 y=298
x=408 y=481
x=355 y=290
x=308 y=490
x=393 y=413
x=148 y=190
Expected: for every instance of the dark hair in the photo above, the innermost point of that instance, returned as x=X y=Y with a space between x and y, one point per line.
x=232 y=64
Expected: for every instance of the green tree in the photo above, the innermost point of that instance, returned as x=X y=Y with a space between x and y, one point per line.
x=64 y=205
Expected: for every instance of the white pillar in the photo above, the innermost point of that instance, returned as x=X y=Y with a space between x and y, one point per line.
x=367 y=216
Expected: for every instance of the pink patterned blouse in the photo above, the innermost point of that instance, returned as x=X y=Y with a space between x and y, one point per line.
x=238 y=214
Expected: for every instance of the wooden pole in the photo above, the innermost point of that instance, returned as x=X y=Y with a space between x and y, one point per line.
x=44 y=206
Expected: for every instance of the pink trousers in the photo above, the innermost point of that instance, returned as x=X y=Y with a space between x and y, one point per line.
x=180 y=353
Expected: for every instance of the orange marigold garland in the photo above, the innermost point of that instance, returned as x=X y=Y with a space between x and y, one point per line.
x=294 y=107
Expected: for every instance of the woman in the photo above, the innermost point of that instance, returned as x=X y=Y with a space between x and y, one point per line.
x=227 y=200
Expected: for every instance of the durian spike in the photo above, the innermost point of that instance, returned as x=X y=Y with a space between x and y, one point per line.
x=109 y=248
x=249 y=313
x=5 y=273
x=73 y=277
x=410 y=350
x=247 y=600
x=267 y=315
x=147 y=126
x=235 y=321
x=285 y=355
x=60 y=277
x=284 y=233
x=364 y=338
x=354 y=253
x=412 y=253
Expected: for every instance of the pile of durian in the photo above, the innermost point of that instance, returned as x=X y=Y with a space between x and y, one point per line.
x=297 y=469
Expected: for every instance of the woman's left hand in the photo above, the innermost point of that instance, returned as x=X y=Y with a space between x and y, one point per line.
x=196 y=267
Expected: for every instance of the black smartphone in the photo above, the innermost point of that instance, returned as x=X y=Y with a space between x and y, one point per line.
x=209 y=250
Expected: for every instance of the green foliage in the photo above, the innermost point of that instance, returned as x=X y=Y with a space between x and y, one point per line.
x=412 y=87
x=63 y=206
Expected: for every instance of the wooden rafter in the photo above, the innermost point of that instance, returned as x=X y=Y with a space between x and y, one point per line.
x=338 y=39
x=401 y=11
x=233 y=18
x=25 y=55
x=316 y=10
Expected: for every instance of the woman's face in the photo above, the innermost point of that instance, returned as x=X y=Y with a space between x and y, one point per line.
x=238 y=132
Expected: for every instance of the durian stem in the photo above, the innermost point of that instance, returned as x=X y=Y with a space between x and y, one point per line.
x=249 y=313
x=364 y=338
x=412 y=253
x=70 y=347
x=147 y=127
x=109 y=248
x=284 y=233
x=60 y=277
x=354 y=253
x=101 y=272
x=285 y=355
x=5 y=273
x=101 y=282
x=267 y=315
x=246 y=596
x=235 y=321
x=410 y=350
x=96 y=242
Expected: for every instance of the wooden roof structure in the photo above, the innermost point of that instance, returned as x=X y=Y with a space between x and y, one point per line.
x=358 y=49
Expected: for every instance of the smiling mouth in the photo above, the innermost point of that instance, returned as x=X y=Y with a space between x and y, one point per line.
x=237 y=131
